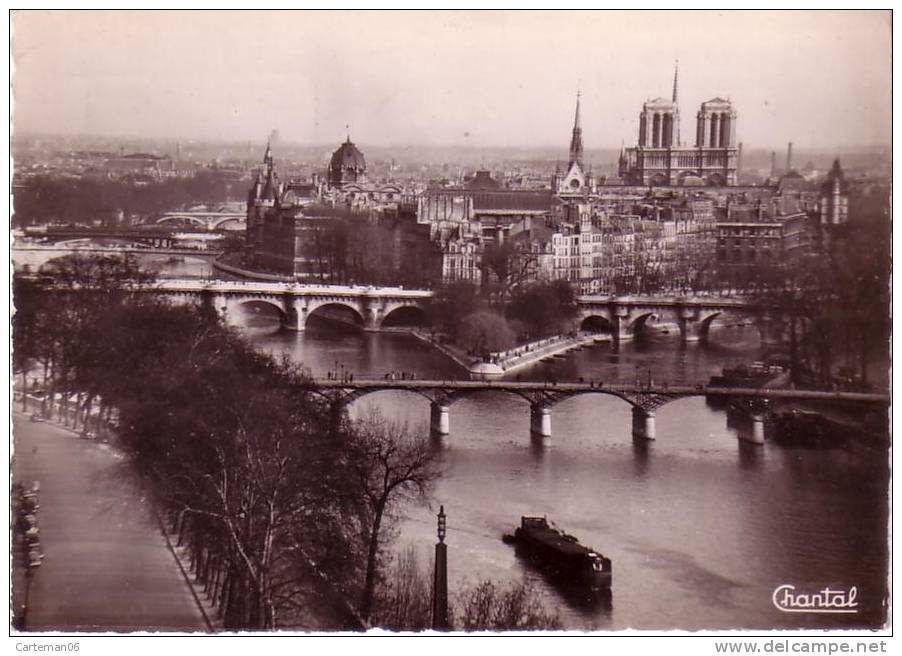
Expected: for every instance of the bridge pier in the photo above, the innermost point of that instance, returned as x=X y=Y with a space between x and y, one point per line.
x=643 y=423
x=756 y=436
x=620 y=325
x=692 y=330
x=540 y=421
x=439 y=418
x=293 y=319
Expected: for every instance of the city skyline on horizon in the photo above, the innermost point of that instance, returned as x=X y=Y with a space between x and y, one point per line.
x=478 y=104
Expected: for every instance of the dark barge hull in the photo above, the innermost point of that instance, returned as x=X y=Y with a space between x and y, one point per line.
x=562 y=555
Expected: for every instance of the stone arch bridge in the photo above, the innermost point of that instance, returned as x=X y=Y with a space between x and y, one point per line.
x=296 y=303
x=622 y=317
x=220 y=220
x=626 y=317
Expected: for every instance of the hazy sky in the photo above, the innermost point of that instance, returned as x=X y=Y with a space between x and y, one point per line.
x=819 y=79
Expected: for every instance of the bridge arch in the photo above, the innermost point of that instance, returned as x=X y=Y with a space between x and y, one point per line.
x=597 y=391
x=596 y=323
x=361 y=393
x=253 y=305
x=727 y=318
x=637 y=325
x=405 y=315
x=704 y=326
x=219 y=223
x=338 y=311
x=182 y=218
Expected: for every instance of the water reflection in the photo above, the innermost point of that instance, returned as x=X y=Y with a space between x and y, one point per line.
x=641 y=450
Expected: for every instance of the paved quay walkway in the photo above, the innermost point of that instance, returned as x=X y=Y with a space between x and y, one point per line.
x=106 y=565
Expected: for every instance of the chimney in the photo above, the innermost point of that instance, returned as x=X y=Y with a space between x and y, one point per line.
x=773 y=163
x=789 y=157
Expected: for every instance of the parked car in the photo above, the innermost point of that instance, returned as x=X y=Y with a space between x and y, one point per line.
x=36 y=417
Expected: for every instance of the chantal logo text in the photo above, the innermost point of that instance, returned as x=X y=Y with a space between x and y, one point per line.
x=827 y=600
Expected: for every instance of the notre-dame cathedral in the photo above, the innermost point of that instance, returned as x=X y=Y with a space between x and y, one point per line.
x=660 y=158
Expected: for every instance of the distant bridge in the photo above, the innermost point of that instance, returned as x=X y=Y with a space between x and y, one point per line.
x=626 y=316
x=208 y=220
x=645 y=399
x=622 y=317
x=31 y=257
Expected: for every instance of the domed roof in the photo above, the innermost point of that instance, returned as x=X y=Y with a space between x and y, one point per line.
x=347 y=156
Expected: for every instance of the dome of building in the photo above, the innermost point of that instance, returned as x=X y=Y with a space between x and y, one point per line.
x=347 y=165
x=347 y=156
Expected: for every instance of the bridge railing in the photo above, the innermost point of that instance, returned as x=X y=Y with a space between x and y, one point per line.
x=281 y=287
x=676 y=389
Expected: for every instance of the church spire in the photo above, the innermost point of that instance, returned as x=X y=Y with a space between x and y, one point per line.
x=576 y=125
x=576 y=140
x=676 y=79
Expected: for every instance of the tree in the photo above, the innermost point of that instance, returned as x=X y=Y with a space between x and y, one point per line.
x=234 y=448
x=544 y=308
x=388 y=464
x=510 y=266
x=484 y=332
x=59 y=312
x=405 y=602
x=490 y=606
x=450 y=303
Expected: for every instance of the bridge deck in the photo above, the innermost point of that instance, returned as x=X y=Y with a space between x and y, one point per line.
x=613 y=388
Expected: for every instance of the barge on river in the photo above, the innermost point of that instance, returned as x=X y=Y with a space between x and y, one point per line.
x=562 y=554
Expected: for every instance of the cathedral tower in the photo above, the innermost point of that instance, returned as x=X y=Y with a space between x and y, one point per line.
x=659 y=122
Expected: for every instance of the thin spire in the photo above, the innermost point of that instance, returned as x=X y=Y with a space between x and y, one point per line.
x=676 y=78
x=576 y=124
x=576 y=140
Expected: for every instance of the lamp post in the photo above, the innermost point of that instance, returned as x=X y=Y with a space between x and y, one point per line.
x=440 y=579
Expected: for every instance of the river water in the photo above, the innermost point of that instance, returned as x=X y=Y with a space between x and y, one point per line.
x=701 y=526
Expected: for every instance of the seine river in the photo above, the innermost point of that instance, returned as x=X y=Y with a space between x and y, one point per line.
x=701 y=527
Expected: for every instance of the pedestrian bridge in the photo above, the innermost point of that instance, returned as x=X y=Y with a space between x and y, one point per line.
x=645 y=398
x=622 y=317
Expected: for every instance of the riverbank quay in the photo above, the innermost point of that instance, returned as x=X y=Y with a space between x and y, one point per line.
x=220 y=264
x=455 y=353
x=533 y=352
x=106 y=567
x=30 y=257
x=505 y=362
